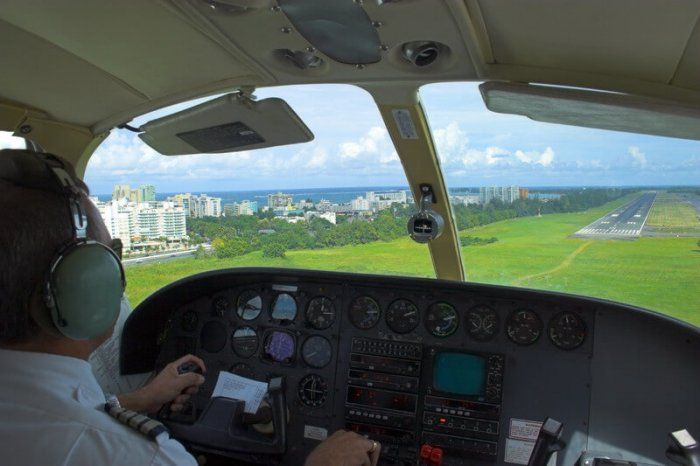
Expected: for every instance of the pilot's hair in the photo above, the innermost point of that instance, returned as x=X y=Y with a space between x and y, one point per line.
x=35 y=225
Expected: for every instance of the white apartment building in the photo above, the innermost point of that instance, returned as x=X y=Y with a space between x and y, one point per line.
x=360 y=203
x=130 y=221
x=391 y=196
x=205 y=206
x=507 y=194
x=330 y=216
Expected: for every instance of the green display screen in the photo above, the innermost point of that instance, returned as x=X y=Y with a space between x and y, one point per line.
x=459 y=373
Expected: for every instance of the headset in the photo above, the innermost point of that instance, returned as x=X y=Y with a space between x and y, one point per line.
x=85 y=282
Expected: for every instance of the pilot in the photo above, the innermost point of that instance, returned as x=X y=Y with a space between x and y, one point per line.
x=52 y=410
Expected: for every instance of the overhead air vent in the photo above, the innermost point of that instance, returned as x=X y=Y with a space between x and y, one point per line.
x=341 y=30
x=421 y=53
x=303 y=60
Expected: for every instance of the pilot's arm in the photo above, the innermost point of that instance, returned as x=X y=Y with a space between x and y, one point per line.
x=340 y=449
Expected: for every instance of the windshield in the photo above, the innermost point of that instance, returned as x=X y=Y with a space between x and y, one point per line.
x=584 y=211
x=339 y=202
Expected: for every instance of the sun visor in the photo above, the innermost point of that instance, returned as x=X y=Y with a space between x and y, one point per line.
x=229 y=123
x=593 y=109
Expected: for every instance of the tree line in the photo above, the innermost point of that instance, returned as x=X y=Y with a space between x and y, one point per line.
x=235 y=236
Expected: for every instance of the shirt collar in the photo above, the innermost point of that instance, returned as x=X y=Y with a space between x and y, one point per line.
x=66 y=376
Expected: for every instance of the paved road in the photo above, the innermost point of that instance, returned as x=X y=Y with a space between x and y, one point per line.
x=625 y=222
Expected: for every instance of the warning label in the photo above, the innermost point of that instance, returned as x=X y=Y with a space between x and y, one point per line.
x=404 y=123
x=522 y=429
x=518 y=451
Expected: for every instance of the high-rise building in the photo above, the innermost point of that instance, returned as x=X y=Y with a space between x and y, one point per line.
x=279 y=200
x=524 y=193
x=121 y=191
x=184 y=201
x=360 y=203
x=245 y=207
x=148 y=193
x=131 y=221
x=506 y=194
x=205 y=206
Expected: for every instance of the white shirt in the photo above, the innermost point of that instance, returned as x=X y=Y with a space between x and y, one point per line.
x=52 y=413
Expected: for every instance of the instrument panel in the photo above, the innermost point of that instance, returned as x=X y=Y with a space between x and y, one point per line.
x=408 y=362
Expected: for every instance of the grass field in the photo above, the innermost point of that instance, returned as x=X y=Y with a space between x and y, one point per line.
x=671 y=212
x=662 y=274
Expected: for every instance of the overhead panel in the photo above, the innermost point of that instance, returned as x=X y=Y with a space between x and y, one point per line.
x=102 y=56
x=688 y=72
x=49 y=78
x=618 y=38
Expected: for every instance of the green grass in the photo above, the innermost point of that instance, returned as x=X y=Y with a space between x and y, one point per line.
x=662 y=274
x=672 y=213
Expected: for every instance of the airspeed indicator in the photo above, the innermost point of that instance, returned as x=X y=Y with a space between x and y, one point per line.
x=441 y=320
x=567 y=330
x=402 y=316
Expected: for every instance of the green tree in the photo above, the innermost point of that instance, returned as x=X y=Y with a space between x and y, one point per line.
x=273 y=249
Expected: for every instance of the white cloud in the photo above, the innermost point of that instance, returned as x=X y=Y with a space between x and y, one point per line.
x=456 y=152
x=533 y=157
x=639 y=157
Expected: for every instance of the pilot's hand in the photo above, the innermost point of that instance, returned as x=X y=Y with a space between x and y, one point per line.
x=168 y=386
x=345 y=448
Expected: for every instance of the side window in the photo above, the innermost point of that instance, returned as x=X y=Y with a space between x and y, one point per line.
x=8 y=141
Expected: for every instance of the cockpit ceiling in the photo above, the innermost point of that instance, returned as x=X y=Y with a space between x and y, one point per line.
x=97 y=63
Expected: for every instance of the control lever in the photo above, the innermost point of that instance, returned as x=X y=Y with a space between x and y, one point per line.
x=684 y=449
x=183 y=368
x=223 y=428
x=548 y=442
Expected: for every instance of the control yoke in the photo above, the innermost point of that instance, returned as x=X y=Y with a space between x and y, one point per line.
x=224 y=427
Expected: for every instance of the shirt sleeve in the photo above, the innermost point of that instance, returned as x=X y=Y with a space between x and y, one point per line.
x=170 y=452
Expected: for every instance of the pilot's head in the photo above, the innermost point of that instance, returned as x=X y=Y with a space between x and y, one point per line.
x=36 y=302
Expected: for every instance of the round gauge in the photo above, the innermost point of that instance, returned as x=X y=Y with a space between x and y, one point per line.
x=313 y=391
x=567 y=330
x=244 y=342
x=320 y=313
x=220 y=306
x=280 y=347
x=249 y=305
x=364 y=312
x=316 y=351
x=524 y=327
x=284 y=307
x=213 y=336
x=441 y=320
x=242 y=369
x=482 y=323
x=402 y=316
x=189 y=321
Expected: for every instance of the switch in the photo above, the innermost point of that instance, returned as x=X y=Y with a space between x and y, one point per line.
x=425 y=451
x=436 y=457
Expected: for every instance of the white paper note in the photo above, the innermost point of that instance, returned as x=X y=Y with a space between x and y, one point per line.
x=240 y=388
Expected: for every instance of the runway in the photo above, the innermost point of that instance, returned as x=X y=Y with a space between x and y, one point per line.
x=625 y=222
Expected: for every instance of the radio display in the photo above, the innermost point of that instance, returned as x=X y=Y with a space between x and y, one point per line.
x=459 y=373
x=382 y=399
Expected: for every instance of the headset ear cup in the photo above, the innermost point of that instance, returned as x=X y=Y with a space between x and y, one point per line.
x=87 y=283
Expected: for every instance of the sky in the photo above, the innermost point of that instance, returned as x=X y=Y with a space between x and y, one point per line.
x=352 y=148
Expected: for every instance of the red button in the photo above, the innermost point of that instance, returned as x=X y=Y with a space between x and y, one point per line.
x=436 y=457
x=425 y=452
